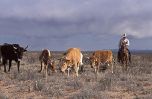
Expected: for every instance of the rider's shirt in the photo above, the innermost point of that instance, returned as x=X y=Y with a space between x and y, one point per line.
x=124 y=40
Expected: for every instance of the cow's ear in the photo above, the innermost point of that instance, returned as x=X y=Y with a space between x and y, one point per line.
x=26 y=47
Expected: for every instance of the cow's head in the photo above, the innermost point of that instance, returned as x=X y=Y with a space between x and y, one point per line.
x=19 y=50
x=52 y=65
x=93 y=61
x=64 y=64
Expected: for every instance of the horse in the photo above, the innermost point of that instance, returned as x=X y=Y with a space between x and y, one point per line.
x=124 y=55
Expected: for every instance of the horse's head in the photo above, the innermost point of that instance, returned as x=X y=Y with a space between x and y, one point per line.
x=124 y=48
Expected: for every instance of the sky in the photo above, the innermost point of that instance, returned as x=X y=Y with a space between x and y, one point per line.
x=87 y=24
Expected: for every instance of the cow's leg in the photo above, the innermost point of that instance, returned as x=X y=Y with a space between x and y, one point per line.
x=77 y=71
x=53 y=66
x=41 y=67
x=49 y=68
x=82 y=68
x=10 y=64
x=18 y=66
x=4 y=63
x=68 y=71
x=81 y=57
x=95 y=69
x=76 y=68
x=46 y=71
x=5 y=68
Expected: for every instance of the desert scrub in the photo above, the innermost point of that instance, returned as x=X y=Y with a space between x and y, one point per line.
x=38 y=85
x=3 y=96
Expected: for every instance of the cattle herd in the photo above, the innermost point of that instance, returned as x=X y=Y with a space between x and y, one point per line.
x=72 y=58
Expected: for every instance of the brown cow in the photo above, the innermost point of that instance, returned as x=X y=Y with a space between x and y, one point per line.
x=73 y=58
x=101 y=57
x=45 y=59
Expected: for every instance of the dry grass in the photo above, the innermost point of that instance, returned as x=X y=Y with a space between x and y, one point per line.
x=136 y=83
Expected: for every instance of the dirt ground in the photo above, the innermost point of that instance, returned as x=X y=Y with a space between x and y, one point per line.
x=136 y=83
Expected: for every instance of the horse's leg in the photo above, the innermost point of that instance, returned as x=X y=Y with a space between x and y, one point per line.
x=127 y=62
x=123 y=63
x=129 y=54
x=118 y=56
x=121 y=58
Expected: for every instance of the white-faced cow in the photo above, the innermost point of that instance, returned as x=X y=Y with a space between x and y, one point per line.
x=101 y=57
x=45 y=59
x=12 y=52
x=72 y=58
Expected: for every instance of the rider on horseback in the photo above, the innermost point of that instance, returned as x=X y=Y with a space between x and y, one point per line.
x=124 y=39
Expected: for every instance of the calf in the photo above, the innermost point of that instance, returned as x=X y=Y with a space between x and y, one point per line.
x=46 y=63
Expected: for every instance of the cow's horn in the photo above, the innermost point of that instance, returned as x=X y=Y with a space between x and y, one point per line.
x=26 y=47
x=14 y=47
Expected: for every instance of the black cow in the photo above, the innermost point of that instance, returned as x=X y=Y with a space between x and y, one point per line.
x=12 y=52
